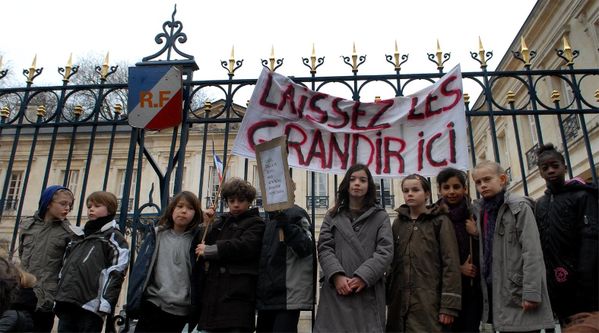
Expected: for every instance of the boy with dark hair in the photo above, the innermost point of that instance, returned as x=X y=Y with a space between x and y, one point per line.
x=286 y=270
x=43 y=239
x=231 y=255
x=567 y=219
x=94 y=269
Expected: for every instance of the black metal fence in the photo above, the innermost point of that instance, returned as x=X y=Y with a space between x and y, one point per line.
x=77 y=122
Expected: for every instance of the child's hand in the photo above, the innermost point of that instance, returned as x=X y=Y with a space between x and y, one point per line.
x=342 y=284
x=468 y=269
x=357 y=284
x=208 y=215
x=471 y=227
x=529 y=305
x=445 y=319
x=200 y=249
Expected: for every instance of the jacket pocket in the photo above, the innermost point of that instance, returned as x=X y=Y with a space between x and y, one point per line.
x=515 y=288
x=241 y=284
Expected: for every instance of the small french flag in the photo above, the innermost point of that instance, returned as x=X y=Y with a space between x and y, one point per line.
x=218 y=164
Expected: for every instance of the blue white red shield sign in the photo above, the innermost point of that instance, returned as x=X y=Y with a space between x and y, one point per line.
x=155 y=97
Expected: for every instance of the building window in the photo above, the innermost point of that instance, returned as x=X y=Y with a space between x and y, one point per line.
x=121 y=189
x=321 y=193
x=389 y=198
x=72 y=181
x=213 y=184
x=502 y=146
x=571 y=127
x=531 y=156
x=14 y=190
x=532 y=127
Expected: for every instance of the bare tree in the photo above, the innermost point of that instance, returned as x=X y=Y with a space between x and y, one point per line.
x=90 y=71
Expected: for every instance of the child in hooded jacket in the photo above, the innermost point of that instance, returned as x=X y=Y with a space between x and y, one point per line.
x=567 y=219
x=424 y=285
x=94 y=269
x=512 y=270
x=43 y=239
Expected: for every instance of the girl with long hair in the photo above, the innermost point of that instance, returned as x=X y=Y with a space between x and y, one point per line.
x=159 y=294
x=354 y=249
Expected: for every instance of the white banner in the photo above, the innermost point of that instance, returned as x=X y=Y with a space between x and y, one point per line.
x=421 y=133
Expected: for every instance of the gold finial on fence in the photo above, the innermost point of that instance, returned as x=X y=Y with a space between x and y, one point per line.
x=439 y=55
x=597 y=95
x=524 y=51
x=118 y=108
x=466 y=98
x=208 y=106
x=272 y=58
x=568 y=52
x=313 y=60
x=555 y=96
x=68 y=67
x=354 y=58
x=32 y=70
x=4 y=112
x=41 y=111
x=104 y=71
x=232 y=60
x=481 y=53
x=511 y=97
x=396 y=57
x=78 y=111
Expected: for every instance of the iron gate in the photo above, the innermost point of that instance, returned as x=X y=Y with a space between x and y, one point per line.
x=75 y=123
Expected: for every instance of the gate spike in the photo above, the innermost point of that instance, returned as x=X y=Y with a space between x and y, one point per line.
x=272 y=58
x=524 y=51
x=32 y=70
x=104 y=72
x=481 y=53
x=568 y=52
x=68 y=67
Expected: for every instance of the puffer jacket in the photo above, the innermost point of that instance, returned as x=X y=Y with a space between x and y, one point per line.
x=568 y=227
x=425 y=268
x=41 y=249
x=286 y=263
x=94 y=270
x=518 y=269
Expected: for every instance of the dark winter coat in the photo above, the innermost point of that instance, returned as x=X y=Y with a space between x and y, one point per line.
x=425 y=270
x=363 y=248
x=140 y=273
x=568 y=227
x=286 y=263
x=468 y=319
x=41 y=250
x=228 y=298
x=94 y=270
x=15 y=321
